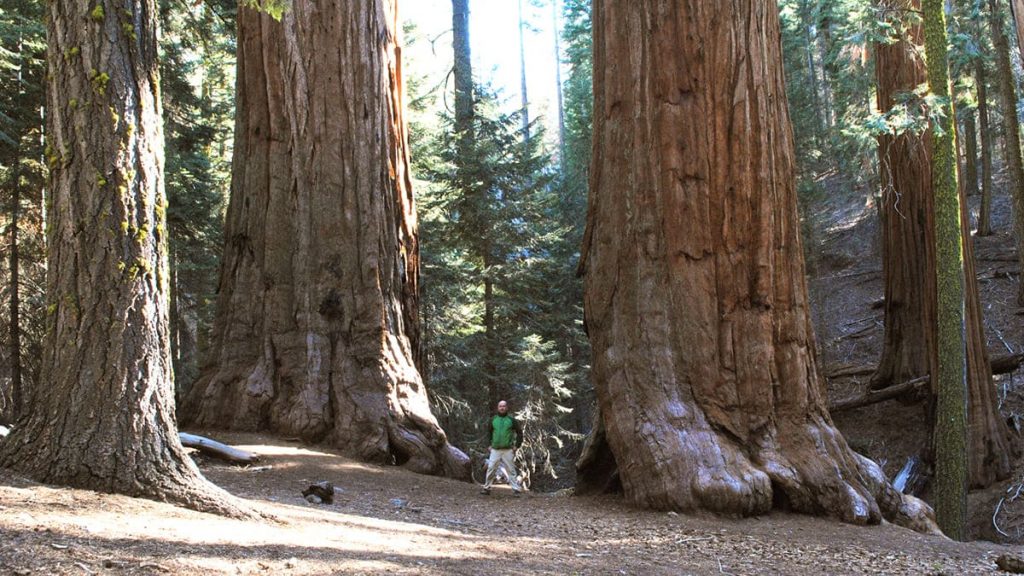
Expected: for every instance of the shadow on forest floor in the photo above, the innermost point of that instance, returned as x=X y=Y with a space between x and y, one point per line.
x=388 y=520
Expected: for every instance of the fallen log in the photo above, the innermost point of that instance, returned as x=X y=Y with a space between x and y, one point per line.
x=879 y=395
x=845 y=371
x=217 y=450
x=1006 y=363
x=1003 y=364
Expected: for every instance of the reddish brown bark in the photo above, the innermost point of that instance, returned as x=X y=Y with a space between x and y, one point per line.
x=908 y=220
x=909 y=264
x=316 y=319
x=696 y=301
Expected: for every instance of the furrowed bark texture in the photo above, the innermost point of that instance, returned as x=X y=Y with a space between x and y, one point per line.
x=909 y=260
x=696 y=301
x=105 y=420
x=319 y=285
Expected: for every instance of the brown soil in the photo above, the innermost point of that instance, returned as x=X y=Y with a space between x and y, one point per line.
x=386 y=520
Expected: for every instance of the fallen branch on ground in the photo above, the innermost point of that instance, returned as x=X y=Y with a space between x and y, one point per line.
x=216 y=449
x=852 y=371
x=1003 y=364
x=879 y=395
x=1006 y=363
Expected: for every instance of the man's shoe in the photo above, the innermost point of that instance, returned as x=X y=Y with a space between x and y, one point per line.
x=486 y=491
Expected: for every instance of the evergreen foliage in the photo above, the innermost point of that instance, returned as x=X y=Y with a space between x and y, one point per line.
x=197 y=69
x=495 y=281
x=22 y=182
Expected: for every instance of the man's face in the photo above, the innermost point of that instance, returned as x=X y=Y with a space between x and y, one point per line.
x=502 y=408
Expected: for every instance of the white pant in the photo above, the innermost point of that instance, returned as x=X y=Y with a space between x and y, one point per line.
x=503 y=459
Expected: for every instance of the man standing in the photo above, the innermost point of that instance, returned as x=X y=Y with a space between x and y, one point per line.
x=506 y=437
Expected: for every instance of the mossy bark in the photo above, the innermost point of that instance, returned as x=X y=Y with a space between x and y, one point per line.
x=951 y=408
x=105 y=418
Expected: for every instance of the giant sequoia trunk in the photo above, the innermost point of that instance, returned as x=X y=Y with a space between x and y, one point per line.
x=105 y=419
x=318 y=287
x=908 y=222
x=909 y=263
x=696 y=301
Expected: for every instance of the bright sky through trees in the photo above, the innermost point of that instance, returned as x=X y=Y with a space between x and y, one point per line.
x=495 y=43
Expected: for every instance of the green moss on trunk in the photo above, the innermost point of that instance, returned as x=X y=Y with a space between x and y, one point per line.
x=951 y=410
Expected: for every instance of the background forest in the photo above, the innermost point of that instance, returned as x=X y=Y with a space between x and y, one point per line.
x=502 y=213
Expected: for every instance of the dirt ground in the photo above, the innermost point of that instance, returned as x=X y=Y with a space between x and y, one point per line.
x=386 y=520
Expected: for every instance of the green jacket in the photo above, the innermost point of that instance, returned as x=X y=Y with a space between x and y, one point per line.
x=504 y=432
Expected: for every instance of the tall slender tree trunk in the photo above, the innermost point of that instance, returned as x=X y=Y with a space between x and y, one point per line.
x=557 y=31
x=105 y=420
x=970 y=153
x=695 y=294
x=909 y=263
x=806 y=22
x=985 y=137
x=15 y=302
x=951 y=380
x=316 y=317
x=1011 y=127
x=522 y=77
x=463 y=68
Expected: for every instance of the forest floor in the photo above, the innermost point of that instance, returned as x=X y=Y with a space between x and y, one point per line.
x=386 y=520
x=846 y=289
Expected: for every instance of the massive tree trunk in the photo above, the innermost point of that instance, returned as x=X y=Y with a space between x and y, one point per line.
x=695 y=295
x=1011 y=128
x=319 y=281
x=909 y=263
x=105 y=420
